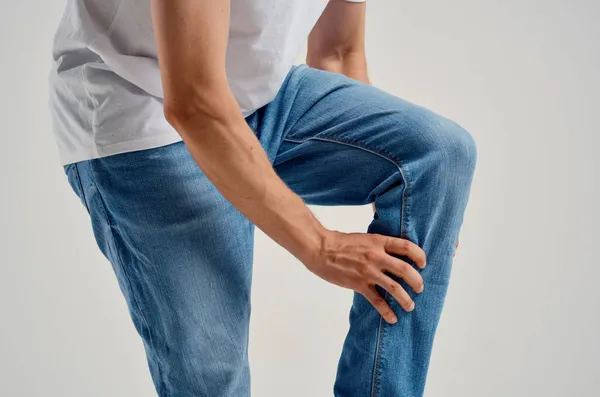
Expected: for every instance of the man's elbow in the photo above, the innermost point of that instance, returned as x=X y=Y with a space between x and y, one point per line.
x=180 y=110
x=189 y=109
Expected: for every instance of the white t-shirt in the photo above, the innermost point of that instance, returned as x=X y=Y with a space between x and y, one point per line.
x=105 y=86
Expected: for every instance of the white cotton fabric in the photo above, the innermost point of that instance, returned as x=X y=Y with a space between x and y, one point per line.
x=105 y=86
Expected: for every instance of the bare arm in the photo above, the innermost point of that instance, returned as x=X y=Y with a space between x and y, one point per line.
x=337 y=42
x=191 y=38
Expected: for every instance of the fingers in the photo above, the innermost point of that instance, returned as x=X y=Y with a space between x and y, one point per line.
x=396 y=290
x=403 y=247
x=380 y=304
x=401 y=269
x=405 y=271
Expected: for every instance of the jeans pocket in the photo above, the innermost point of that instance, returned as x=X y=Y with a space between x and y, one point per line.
x=72 y=173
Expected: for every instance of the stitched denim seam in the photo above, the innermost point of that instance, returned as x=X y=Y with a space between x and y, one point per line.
x=376 y=363
x=113 y=231
x=382 y=153
x=403 y=211
x=85 y=201
x=285 y=84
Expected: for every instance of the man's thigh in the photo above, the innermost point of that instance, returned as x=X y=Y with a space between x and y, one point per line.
x=333 y=111
x=183 y=258
x=332 y=139
x=342 y=142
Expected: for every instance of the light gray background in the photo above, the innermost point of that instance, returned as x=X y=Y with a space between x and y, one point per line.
x=522 y=313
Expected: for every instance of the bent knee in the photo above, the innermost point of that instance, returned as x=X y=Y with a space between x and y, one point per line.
x=463 y=149
x=450 y=147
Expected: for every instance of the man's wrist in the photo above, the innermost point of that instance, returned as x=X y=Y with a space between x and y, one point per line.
x=351 y=65
x=313 y=242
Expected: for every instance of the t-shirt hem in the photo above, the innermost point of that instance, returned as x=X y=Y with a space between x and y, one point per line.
x=118 y=148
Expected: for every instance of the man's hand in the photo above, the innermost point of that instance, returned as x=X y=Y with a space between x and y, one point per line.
x=457 y=241
x=360 y=261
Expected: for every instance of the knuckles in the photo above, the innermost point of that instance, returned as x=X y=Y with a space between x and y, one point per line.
x=371 y=256
x=403 y=246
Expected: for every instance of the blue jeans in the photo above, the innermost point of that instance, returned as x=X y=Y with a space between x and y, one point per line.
x=183 y=254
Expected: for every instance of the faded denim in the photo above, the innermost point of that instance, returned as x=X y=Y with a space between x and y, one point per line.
x=183 y=254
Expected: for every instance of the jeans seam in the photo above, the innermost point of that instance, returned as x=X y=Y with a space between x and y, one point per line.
x=403 y=212
x=78 y=177
x=376 y=363
x=381 y=153
x=119 y=259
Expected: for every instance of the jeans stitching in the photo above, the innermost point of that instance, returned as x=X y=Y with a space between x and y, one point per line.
x=78 y=177
x=376 y=365
x=403 y=211
x=382 y=153
x=114 y=233
x=284 y=87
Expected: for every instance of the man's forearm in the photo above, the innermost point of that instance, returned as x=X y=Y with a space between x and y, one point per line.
x=191 y=39
x=231 y=156
x=353 y=65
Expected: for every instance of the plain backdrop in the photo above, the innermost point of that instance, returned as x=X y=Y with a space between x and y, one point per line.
x=522 y=313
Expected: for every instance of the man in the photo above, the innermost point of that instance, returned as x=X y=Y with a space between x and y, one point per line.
x=176 y=164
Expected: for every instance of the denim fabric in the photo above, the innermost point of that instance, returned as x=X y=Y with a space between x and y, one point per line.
x=183 y=254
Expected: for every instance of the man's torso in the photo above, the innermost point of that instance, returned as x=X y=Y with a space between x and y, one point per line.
x=105 y=85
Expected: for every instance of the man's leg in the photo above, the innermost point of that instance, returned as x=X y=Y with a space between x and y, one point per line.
x=183 y=258
x=346 y=143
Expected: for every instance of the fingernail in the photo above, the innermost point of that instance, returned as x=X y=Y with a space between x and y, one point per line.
x=394 y=320
x=421 y=289
x=411 y=308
